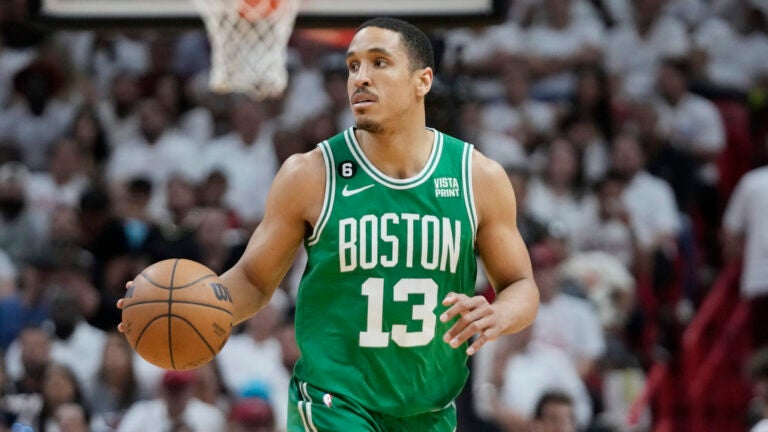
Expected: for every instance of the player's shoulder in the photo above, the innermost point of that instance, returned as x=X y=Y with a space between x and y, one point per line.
x=493 y=193
x=485 y=169
x=304 y=167
x=299 y=184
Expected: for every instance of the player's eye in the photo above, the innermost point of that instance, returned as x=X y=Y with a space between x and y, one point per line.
x=380 y=62
x=353 y=66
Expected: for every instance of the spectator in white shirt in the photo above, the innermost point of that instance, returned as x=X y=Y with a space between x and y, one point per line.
x=564 y=321
x=649 y=199
x=746 y=234
x=62 y=183
x=515 y=115
x=651 y=205
x=694 y=125
x=23 y=229
x=555 y=197
x=635 y=48
x=557 y=46
x=116 y=54
x=175 y=408
x=690 y=122
x=26 y=367
x=606 y=224
x=482 y=53
x=75 y=343
x=11 y=61
x=41 y=116
x=588 y=120
x=191 y=120
x=522 y=371
x=92 y=141
x=732 y=54
x=247 y=157
x=118 y=112
x=156 y=154
x=667 y=162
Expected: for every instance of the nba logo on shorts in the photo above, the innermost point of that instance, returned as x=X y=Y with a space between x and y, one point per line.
x=327 y=400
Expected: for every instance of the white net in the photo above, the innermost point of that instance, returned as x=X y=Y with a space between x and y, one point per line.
x=248 y=42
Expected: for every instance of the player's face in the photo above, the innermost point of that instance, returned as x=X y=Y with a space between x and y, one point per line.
x=382 y=86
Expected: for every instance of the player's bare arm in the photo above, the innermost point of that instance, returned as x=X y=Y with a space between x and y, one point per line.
x=293 y=204
x=506 y=262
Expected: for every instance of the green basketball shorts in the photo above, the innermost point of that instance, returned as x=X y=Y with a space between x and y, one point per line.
x=311 y=409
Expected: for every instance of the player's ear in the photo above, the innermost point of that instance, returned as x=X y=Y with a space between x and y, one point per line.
x=424 y=80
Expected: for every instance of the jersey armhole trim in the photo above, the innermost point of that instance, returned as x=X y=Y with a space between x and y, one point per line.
x=469 y=196
x=330 y=190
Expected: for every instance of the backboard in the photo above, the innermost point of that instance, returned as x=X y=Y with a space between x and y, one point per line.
x=313 y=13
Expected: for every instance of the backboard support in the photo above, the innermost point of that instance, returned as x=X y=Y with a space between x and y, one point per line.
x=313 y=13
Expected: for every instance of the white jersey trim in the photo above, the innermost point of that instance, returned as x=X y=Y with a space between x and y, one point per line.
x=469 y=194
x=390 y=182
x=306 y=405
x=328 y=197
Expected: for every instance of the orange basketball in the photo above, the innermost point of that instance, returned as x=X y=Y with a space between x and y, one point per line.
x=177 y=314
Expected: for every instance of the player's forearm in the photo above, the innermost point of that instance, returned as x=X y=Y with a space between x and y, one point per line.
x=247 y=297
x=517 y=305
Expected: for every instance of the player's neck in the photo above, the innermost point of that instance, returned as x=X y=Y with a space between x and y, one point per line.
x=398 y=152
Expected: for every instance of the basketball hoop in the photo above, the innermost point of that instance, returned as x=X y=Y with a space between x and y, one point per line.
x=248 y=43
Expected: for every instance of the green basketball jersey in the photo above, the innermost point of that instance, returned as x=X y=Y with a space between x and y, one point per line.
x=383 y=255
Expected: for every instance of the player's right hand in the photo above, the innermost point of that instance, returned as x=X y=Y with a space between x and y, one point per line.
x=120 y=301
x=476 y=318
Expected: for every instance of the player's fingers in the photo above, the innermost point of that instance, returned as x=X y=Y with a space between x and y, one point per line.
x=461 y=304
x=121 y=327
x=128 y=284
x=466 y=319
x=452 y=298
x=484 y=337
x=120 y=303
x=475 y=327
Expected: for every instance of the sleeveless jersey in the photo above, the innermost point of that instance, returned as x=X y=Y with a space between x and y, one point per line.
x=383 y=255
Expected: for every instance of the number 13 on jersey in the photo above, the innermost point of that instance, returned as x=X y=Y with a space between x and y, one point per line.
x=375 y=337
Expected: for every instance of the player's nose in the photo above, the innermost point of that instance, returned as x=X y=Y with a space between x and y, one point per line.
x=362 y=77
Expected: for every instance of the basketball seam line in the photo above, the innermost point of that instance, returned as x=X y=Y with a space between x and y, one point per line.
x=139 y=303
x=146 y=326
x=202 y=338
x=170 y=313
x=186 y=285
x=169 y=316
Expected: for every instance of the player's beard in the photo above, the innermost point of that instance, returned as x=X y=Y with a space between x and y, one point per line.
x=368 y=125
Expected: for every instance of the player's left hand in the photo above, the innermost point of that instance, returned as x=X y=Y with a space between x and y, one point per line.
x=476 y=317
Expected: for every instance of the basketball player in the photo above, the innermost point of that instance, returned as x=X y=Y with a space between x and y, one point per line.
x=391 y=214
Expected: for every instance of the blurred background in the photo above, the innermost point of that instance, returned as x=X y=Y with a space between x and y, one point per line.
x=633 y=132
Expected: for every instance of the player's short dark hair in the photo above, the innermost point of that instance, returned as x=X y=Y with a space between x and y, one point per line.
x=416 y=42
x=551 y=397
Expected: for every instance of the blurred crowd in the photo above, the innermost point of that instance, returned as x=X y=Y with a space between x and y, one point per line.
x=611 y=118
